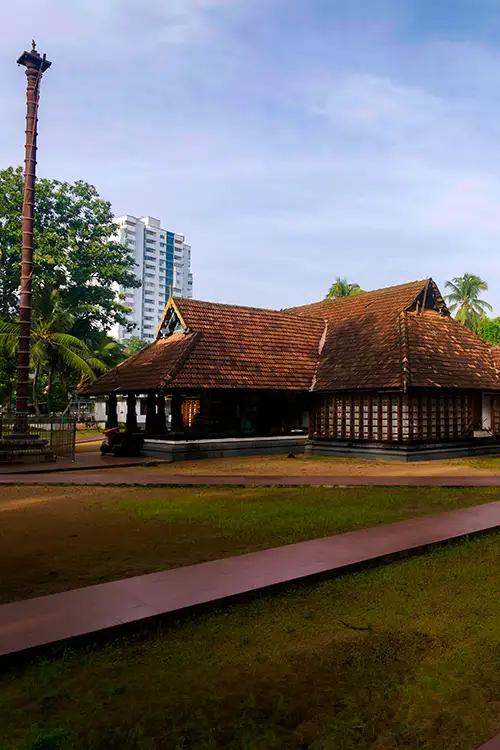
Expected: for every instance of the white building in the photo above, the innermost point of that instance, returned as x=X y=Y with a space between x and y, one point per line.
x=163 y=262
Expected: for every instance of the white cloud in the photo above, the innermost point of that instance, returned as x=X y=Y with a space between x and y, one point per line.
x=287 y=159
x=372 y=100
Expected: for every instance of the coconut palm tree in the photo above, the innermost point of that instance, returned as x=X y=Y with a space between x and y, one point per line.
x=343 y=288
x=464 y=299
x=55 y=353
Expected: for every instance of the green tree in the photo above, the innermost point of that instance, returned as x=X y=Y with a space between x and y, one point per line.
x=57 y=356
x=7 y=376
x=489 y=330
x=75 y=251
x=464 y=299
x=343 y=288
x=133 y=345
x=106 y=348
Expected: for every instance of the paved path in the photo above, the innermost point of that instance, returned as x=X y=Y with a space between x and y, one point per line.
x=493 y=744
x=84 y=462
x=141 y=477
x=44 y=620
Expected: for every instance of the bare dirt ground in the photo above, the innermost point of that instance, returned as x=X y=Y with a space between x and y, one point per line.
x=327 y=466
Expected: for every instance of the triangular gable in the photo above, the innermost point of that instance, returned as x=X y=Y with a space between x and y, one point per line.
x=171 y=320
x=430 y=298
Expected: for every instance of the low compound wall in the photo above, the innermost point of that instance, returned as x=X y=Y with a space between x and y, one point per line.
x=402 y=452
x=182 y=450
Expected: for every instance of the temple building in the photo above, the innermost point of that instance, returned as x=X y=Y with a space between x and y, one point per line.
x=381 y=372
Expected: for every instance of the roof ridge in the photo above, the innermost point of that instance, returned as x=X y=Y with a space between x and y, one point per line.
x=189 y=300
x=404 y=346
x=321 y=344
x=181 y=359
x=180 y=300
x=339 y=300
x=283 y=314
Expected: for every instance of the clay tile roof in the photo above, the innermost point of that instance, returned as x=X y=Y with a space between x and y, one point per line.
x=389 y=298
x=363 y=342
x=444 y=353
x=495 y=351
x=248 y=347
x=396 y=337
x=227 y=346
x=146 y=370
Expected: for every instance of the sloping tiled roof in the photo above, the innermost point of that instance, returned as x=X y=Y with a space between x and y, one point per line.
x=397 y=297
x=444 y=353
x=363 y=341
x=388 y=338
x=247 y=347
x=235 y=347
x=495 y=351
x=148 y=369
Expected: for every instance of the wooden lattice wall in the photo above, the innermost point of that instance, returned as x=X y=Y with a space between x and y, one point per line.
x=190 y=407
x=397 y=417
x=495 y=415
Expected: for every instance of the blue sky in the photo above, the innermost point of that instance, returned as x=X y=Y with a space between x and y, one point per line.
x=290 y=140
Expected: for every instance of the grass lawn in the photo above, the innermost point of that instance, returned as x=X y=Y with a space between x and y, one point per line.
x=57 y=538
x=400 y=657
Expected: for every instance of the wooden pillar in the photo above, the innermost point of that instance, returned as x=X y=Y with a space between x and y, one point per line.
x=131 y=419
x=389 y=418
x=411 y=404
x=420 y=418
x=439 y=432
x=370 y=417
x=380 y=418
x=351 y=417
x=112 y=420
x=151 y=412
x=400 y=418
x=161 y=419
x=177 y=424
x=446 y=414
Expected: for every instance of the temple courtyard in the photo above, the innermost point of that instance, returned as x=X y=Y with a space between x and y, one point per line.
x=401 y=655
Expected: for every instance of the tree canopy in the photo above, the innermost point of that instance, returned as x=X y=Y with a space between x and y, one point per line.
x=57 y=357
x=464 y=299
x=75 y=252
x=78 y=267
x=343 y=288
x=489 y=330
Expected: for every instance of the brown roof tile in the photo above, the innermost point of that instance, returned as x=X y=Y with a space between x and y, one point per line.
x=390 y=298
x=363 y=342
x=146 y=370
x=227 y=347
x=381 y=339
x=247 y=347
x=446 y=354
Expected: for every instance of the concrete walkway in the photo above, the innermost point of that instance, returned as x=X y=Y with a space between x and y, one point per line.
x=493 y=744
x=139 y=475
x=33 y=623
x=90 y=461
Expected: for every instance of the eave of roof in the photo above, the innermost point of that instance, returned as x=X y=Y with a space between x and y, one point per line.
x=373 y=340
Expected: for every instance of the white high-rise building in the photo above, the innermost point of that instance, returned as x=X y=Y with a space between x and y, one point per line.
x=163 y=262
